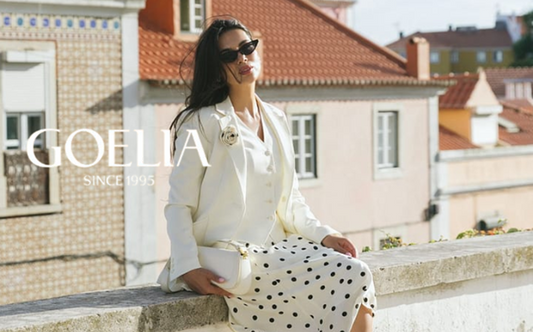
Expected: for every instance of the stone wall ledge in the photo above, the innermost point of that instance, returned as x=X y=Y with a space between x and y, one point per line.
x=147 y=308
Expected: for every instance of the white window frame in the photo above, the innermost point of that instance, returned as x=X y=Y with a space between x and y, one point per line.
x=382 y=172
x=497 y=56
x=481 y=56
x=301 y=139
x=32 y=52
x=454 y=57
x=434 y=57
x=22 y=142
x=193 y=17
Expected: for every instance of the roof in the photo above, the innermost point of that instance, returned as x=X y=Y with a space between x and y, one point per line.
x=302 y=46
x=524 y=121
x=496 y=77
x=521 y=105
x=448 y=140
x=461 y=39
x=457 y=96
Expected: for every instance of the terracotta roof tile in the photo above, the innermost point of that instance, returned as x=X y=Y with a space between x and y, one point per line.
x=461 y=39
x=522 y=105
x=458 y=95
x=448 y=140
x=524 y=121
x=302 y=45
x=496 y=77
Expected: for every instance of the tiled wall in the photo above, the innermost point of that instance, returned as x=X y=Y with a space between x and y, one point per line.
x=89 y=83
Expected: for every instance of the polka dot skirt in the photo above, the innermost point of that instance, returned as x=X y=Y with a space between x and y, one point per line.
x=299 y=285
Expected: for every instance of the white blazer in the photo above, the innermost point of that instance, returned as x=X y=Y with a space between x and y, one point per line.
x=206 y=204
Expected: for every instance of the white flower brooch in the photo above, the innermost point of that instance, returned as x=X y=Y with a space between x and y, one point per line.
x=229 y=135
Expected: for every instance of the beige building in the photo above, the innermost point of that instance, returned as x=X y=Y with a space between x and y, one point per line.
x=486 y=152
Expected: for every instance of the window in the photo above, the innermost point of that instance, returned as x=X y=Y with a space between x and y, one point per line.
x=192 y=15
x=497 y=56
x=454 y=57
x=481 y=56
x=434 y=57
x=304 y=142
x=387 y=139
x=27 y=104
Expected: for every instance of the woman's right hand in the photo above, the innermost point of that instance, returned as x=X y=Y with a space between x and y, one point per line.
x=199 y=280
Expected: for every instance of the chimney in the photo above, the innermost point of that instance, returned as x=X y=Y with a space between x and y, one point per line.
x=450 y=28
x=164 y=16
x=418 y=58
x=401 y=34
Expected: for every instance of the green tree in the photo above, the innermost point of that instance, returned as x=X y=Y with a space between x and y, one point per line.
x=523 y=48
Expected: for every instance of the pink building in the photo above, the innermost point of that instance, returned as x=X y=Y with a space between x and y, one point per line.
x=366 y=130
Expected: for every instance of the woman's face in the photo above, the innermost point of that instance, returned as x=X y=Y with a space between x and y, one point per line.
x=245 y=68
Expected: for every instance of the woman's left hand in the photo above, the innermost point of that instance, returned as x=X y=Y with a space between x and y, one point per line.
x=341 y=244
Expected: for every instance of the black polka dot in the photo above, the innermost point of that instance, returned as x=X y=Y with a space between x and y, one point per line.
x=326 y=263
x=274 y=283
x=363 y=274
x=282 y=259
x=261 y=307
x=324 y=255
x=333 y=308
x=364 y=288
x=321 y=321
x=235 y=310
x=265 y=265
x=317 y=277
x=289 y=272
x=339 y=264
x=257 y=290
x=257 y=278
x=310 y=297
x=307 y=325
x=300 y=238
x=289 y=326
x=294 y=279
x=344 y=314
x=322 y=287
x=265 y=251
x=306 y=261
x=332 y=292
x=309 y=269
x=293 y=252
x=365 y=299
x=285 y=301
x=341 y=281
x=372 y=306
x=348 y=296
x=269 y=297
x=356 y=306
x=294 y=246
x=331 y=326
x=315 y=247
x=272 y=320
x=324 y=306
x=348 y=267
x=274 y=306
x=306 y=282
x=254 y=317
x=332 y=274
x=349 y=281
x=280 y=294
x=295 y=314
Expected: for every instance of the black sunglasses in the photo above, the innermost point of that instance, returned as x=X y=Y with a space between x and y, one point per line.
x=228 y=56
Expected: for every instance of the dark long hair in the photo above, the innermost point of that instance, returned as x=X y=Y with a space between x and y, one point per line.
x=209 y=83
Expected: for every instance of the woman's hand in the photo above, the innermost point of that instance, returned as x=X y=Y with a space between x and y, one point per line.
x=199 y=280
x=341 y=244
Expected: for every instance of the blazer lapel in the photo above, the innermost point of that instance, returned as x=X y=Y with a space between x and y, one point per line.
x=236 y=151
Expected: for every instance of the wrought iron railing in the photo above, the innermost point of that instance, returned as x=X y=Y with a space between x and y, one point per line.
x=27 y=184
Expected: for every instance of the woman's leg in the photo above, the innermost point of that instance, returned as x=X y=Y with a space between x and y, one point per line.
x=363 y=321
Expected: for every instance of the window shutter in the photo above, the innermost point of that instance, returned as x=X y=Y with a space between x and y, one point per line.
x=23 y=88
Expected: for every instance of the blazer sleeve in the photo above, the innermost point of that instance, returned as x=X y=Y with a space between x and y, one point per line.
x=185 y=183
x=305 y=222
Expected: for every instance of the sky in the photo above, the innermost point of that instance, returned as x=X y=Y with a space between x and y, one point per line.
x=382 y=20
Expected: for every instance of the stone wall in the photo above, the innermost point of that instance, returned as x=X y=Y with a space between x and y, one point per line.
x=481 y=284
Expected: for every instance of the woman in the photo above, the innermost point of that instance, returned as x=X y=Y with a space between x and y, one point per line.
x=305 y=275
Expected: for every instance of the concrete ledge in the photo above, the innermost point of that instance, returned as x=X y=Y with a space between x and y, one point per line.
x=407 y=270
